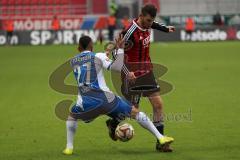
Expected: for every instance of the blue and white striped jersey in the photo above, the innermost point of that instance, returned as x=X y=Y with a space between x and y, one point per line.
x=88 y=68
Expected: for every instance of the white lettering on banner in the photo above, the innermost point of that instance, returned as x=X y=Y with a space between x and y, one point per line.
x=45 y=24
x=105 y=34
x=30 y=24
x=70 y=24
x=75 y=35
x=93 y=34
x=35 y=38
x=59 y=38
x=223 y=35
x=197 y=19
x=67 y=24
x=78 y=34
x=14 y=40
x=67 y=37
x=45 y=36
x=204 y=35
x=18 y=25
x=40 y=37
x=238 y=35
x=41 y=24
x=38 y=25
x=2 y=40
x=76 y=24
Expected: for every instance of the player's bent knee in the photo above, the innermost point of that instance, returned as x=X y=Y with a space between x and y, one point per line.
x=134 y=111
x=71 y=118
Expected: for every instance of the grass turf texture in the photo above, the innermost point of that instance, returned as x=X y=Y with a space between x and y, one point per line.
x=205 y=78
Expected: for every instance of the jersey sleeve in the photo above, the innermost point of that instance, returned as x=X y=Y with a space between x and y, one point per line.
x=160 y=27
x=117 y=64
x=106 y=62
x=109 y=64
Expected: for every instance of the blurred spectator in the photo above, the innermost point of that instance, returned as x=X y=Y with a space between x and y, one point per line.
x=217 y=19
x=125 y=22
x=9 y=27
x=55 y=27
x=235 y=21
x=111 y=26
x=100 y=37
x=189 y=25
x=113 y=8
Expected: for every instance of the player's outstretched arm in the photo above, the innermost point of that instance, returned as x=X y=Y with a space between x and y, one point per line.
x=117 y=64
x=162 y=27
x=117 y=49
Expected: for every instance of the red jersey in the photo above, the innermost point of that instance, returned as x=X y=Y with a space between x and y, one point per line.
x=9 y=25
x=55 y=24
x=136 y=50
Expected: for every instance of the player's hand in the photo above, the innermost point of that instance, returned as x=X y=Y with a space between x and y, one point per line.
x=120 y=42
x=171 y=28
x=131 y=77
x=109 y=47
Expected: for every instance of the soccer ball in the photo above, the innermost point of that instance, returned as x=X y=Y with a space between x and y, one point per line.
x=124 y=132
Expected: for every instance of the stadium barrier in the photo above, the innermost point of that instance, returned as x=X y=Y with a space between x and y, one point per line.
x=200 y=34
x=44 y=37
x=203 y=20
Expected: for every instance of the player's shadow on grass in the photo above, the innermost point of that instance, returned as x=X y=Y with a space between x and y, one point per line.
x=57 y=83
x=158 y=71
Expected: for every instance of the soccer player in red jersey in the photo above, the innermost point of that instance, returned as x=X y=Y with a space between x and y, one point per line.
x=137 y=76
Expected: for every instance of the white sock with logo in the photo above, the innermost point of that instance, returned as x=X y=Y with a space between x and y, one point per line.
x=71 y=127
x=146 y=123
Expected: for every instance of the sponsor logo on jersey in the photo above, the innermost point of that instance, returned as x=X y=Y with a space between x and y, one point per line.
x=146 y=41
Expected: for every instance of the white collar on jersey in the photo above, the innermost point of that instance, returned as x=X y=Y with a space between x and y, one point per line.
x=86 y=51
x=135 y=23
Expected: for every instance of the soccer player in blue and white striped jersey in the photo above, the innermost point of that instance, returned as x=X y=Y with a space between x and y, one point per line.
x=95 y=98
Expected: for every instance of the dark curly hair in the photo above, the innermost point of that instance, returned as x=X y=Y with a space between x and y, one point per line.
x=149 y=9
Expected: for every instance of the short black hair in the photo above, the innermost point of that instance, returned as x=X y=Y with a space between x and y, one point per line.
x=84 y=41
x=149 y=9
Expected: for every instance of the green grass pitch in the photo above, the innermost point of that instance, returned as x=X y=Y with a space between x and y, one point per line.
x=206 y=80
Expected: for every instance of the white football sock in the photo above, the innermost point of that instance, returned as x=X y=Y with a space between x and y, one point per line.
x=71 y=127
x=146 y=123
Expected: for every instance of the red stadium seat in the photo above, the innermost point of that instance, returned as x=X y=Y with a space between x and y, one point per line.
x=26 y=10
x=4 y=2
x=98 y=8
x=18 y=2
x=26 y=2
x=50 y=9
x=46 y=8
x=11 y=2
x=33 y=9
x=42 y=2
x=34 y=2
x=65 y=1
x=18 y=9
x=64 y=12
x=4 y=9
x=57 y=2
x=51 y=2
x=79 y=1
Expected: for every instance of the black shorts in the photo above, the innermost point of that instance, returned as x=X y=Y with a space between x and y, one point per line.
x=9 y=33
x=144 y=86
